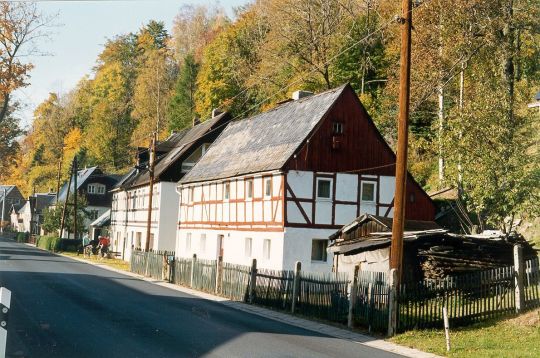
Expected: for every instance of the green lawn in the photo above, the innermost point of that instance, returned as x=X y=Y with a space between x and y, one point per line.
x=516 y=337
x=115 y=263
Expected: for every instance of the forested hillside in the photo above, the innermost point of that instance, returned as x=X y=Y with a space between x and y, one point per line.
x=475 y=68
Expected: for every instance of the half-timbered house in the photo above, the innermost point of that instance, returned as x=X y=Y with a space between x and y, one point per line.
x=275 y=186
x=175 y=156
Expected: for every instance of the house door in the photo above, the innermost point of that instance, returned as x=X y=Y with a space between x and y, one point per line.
x=221 y=239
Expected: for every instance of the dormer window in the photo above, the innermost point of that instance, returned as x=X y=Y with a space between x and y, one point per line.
x=96 y=188
x=337 y=128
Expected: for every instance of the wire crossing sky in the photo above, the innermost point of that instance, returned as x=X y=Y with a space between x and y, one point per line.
x=82 y=28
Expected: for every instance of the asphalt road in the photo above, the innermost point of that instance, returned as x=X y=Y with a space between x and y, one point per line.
x=64 y=308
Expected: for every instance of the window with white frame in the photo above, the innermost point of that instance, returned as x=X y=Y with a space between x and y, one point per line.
x=96 y=188
x=324 y=188
x=249 y=188
x=318 y=250
x=202 y=244
x=368 y=191
x=188 y=242
x=267 y=187
x=191 y=193
x=248 y=246
x=266 y=249
x=227 y=191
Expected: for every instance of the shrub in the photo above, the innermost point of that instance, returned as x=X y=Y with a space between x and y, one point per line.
x=51 y=243
x=22 y=237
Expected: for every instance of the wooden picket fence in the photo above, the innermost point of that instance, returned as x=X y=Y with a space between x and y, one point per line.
x=137 y=263
x=370 y=308
x=235 y=281
x=468 y=298
x=204 y=275
x=274 y=289
x=532 y=284
x=324 y=296
x=181 y=274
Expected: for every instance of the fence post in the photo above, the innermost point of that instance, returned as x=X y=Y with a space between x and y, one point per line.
x=392 y=302
x=219 y=274
x=518 y=278
x=253 y=281
x=352 y=298
x=296 y=285
x=193 y=261
x=164 y=267
x=5 y=304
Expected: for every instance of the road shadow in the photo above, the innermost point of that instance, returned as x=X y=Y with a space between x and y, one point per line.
x=86 y=311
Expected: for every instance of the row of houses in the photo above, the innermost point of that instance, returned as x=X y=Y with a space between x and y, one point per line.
x=272 y=187
x=26 y=215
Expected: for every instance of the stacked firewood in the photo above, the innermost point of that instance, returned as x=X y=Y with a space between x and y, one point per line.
x=454 y=255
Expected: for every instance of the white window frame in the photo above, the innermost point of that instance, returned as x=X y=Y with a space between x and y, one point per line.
x=248 y=247
x=96 y=189
x=188 y=242
x=374 y=191
x=337 y=128
x=266 y=186
x=249 y=189
x=321 y=198
x=267 y=249
x=226 y=191
x=202 y=244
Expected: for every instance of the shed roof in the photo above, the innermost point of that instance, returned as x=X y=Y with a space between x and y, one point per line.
x=264 y=142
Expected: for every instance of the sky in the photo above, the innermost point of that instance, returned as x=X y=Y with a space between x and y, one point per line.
x=80 y=31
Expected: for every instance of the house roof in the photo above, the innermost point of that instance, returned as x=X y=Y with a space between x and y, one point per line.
x=103 y=220
x=386 y=225
x=82 y=177
x=7 y=188
x=264 y=142
x=174 y=148
x=42 y=201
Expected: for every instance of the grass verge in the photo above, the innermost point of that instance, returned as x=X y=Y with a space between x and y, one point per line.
x=515 y=337
x=114 y=263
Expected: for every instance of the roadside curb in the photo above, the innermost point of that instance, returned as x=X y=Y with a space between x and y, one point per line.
x=296 y=321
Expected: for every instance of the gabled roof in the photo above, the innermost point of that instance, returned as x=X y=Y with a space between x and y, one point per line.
x=264 y=142
x=40 y=201
x=82 y=177
x=103 y=220
x=175 y=147
x=7 y=188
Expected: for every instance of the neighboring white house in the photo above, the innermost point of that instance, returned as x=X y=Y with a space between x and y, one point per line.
x=10 y=198
x=174 y=157
x=275 y=186
x=95 y=186
x=29 y=218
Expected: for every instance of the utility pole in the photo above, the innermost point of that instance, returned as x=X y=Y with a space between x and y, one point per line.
x=3 y=210
x=151 y=164
x=396 y=250
x=75 y=174
x=58 y=176
x=63 y=219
